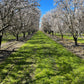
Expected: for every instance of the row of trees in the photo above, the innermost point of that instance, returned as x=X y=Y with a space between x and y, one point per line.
x=19 y=16
x=67 y=17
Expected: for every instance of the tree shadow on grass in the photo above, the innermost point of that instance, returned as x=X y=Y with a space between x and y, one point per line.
x=35 y=61
x=20 y=69
x=4 y=54
x=17 y=68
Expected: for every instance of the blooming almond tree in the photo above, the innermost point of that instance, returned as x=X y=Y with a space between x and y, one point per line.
x=12 y=11
x=69 y=10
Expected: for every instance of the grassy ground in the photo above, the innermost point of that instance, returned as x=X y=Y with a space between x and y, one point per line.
x=80 y=39
x=10 y=37
x=42 y=61
x=7 y=38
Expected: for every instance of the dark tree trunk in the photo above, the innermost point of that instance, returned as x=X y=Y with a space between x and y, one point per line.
x=2 y=33
x=62 y=36
x=0 y=40
x=49 y=32
x=17 y=37
x=28 y=33
x=33 y=31
x=75 y=39
x=45 y=31
x=52 y=33
x=24 y=35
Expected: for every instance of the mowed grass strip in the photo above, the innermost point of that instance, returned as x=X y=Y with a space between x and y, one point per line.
x=42 y=61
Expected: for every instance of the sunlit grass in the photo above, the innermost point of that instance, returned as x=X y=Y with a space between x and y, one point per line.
x=9 y=37
x=42 y=61
x=80 y=39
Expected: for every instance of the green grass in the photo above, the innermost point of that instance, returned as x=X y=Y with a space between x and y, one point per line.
x=80 y=40
x=10 y=37
x=42 y=61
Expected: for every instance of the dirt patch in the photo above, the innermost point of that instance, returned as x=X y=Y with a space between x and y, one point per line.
x=69 y=44
x=10 y=47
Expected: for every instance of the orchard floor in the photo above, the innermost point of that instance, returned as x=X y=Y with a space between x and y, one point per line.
x=42 y=61
x=69 y=44
x=11 y=46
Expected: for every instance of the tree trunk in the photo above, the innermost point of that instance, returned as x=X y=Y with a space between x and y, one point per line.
x=24 y=35
x=0 y=40
x=52 y=33
x=62 y=36
x=33 y=31
x=2 y=33
x=75 y=39
x=61 y=33
x=49 y=32
x=28 y=33
x=17 y=38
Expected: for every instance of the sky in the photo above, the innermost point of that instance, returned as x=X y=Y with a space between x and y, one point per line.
x=45 y=6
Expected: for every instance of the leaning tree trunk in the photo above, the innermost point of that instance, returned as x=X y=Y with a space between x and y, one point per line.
x=17 y=37
x=0 y=40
